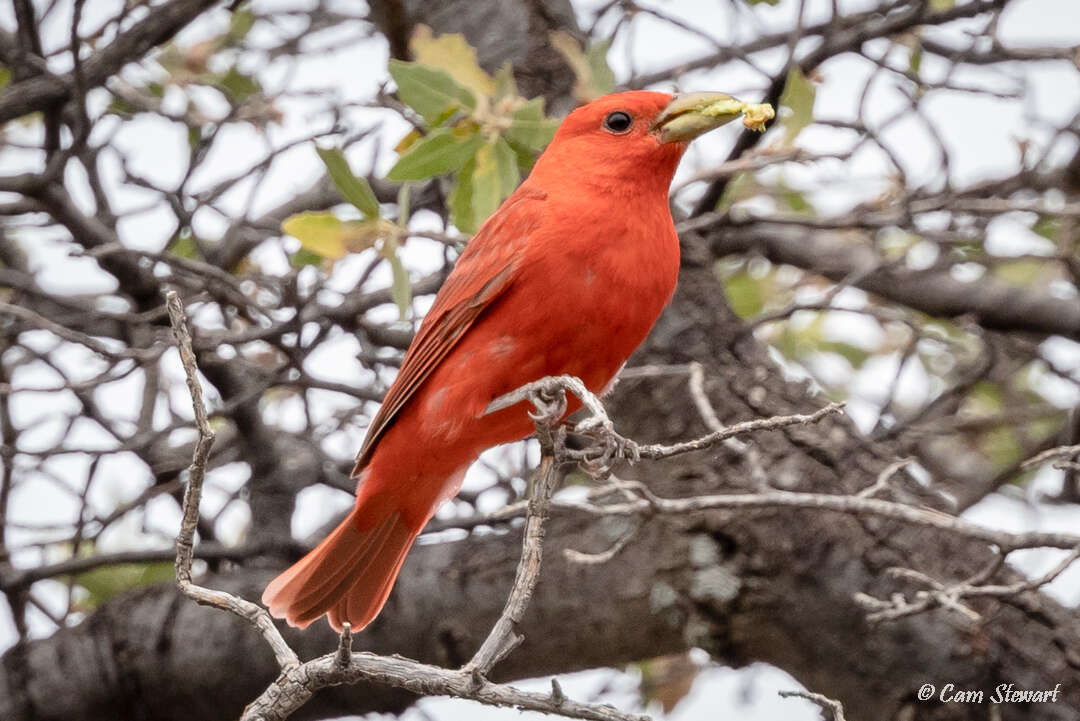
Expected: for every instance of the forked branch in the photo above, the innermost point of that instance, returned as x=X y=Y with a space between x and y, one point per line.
x=299 y=681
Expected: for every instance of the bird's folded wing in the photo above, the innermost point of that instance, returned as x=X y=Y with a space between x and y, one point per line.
x=483 y=273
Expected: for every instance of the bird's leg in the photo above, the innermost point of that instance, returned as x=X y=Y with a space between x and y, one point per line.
x=548 y=396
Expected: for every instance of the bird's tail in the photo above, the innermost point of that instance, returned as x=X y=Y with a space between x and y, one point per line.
x=349 y=575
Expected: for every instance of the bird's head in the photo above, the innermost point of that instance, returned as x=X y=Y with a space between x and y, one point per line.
x=633 y=139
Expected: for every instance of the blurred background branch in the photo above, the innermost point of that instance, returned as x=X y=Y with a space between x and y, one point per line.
x=905 y=239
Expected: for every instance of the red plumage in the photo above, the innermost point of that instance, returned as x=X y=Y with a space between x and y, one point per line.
x=567 y=277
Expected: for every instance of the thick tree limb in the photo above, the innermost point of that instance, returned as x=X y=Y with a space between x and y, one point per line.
x=994 y=305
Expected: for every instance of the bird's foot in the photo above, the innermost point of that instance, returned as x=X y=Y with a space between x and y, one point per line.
x=606 y=449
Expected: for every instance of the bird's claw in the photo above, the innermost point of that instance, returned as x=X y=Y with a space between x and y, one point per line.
x=608 y=448
x=549 y=407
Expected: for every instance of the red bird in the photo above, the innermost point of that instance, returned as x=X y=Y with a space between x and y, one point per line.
x=567 y=277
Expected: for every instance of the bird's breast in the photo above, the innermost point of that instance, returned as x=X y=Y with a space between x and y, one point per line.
x=607 y=286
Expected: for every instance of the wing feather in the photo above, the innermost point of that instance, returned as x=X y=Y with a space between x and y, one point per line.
x=484 y=272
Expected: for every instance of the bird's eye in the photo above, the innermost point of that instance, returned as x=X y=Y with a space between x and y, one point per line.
x=618 y=122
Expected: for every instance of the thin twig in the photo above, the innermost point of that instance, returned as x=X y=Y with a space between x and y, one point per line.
x=599 y=423
x=344 y=652
x=953 y=596
x=1051 y=453
x=853 y=505
x=696 y=385
x=73 y=336
x=660 y=451
x=185 y=539
x=550 y=403
x=885 y=477
x=833 y=710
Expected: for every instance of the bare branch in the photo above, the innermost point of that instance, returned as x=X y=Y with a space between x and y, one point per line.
x=44 y=89
x=952 y=596
x=504 y=636
x=185 y=539
x=297 y=685
x=833 y=710
x=853 y=505
x=1051 y=454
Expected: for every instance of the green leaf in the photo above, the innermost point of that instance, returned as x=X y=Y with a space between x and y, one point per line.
x=438 y=153
x=403 y=205
x=798 y=98
x=304 y=257
x=319 y=233
x=1039 y=429
x=1001 y=446
x=240 y=24
x=984 y=398
x=237 y=85
x=762 y=2
x=797 y=201
x=915 y=61
x=120 y=107
x=401 y=290
x=594 y=76
x=460 y=200
x=1021 y=272
x=103 y=583
x=1049 y=227
x=505 y=85
x=741 y=187
x=487 y=184
x=602 y=78
x=525 y=157
x=356 y=190
x=507 y=165
x=854 y=355
x=942 y=5
x=483 y=182
x=529 y=128
x=5 y=76
x=794 y=200
x=326 y=235
x=452 y=54
x=429 y=91
x=183 y=245
x=745 y=295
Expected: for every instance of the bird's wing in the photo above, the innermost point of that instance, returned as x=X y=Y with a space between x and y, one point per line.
x=483 y=272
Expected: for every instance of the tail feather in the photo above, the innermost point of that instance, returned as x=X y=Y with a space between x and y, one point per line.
x=359 y=600
x=349 y=575
x=350 y=557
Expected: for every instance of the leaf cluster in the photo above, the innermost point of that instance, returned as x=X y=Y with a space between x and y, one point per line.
x=478 y=128
x=474 y=128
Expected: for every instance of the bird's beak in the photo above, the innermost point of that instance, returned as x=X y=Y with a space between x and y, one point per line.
x=690 y=115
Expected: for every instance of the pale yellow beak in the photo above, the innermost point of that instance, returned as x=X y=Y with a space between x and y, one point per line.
x=688 y=116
